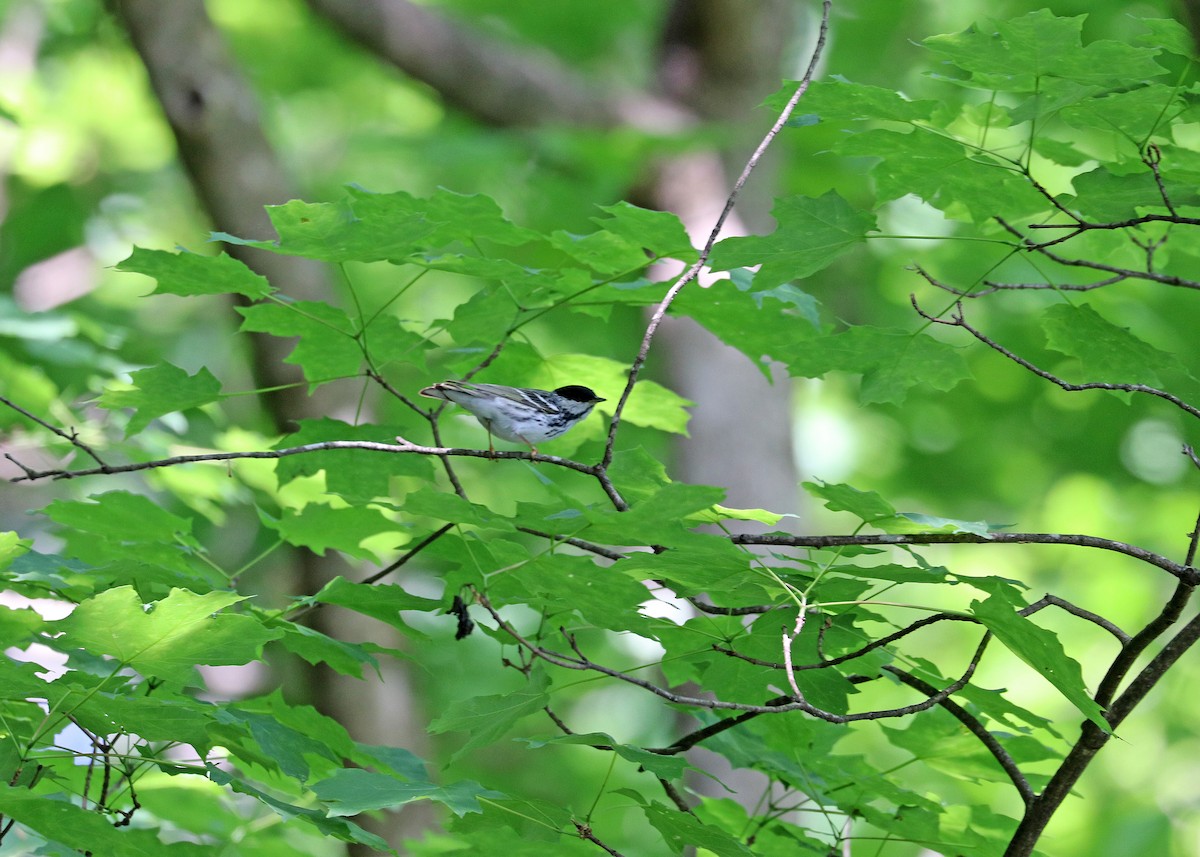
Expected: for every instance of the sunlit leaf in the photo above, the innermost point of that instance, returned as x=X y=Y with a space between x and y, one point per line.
x=187 y=273
x=811 y=234
x=159 y=390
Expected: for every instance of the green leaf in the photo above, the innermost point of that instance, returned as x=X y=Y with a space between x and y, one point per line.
x=188 y=274
x=166 y=639
x=894 y=573
x=1165 y=34
x=389 y=344
x=664 y=767
x=604 y=252
x=681 y=830
x=449 y=507
x=866 y=505
x=353 y=790
x=177 y=719
x=381 y=601
x=58 y=820
x=1038 y=648
x=890 y=361
x=1105 y=352
x=327 y=349
x=335 y=231
x=841 y=99
x=372 y=227
x=461 y=217
x=317 y=648
x=332 y=826
x=718 y=571
x=959 y=180
x=18 y=626
x=720 y=513
x=659 y=232
x=487 y=718
x=162 y=389
x=915 y=522
x=637 y=473
x=120 y=516
x=1102 y=196
x=1128 y=119
x=1015 y=55
x=940 y=742
x=297 y=739
x=355 y=475
x=603 y=599
x=764 y=324
x=811 y=234
x=319 y=527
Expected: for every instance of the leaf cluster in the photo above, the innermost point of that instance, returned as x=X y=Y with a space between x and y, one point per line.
x=829 y=665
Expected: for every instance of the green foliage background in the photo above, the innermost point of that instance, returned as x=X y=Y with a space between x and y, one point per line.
x=470 y=236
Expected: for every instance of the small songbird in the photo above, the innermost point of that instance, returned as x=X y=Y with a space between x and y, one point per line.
x=517 y=413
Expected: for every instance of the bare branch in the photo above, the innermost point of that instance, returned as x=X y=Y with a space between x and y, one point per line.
x=1152 y=157
x=70 y=437
x=1183 y=572
x=402 y=448
x=1129 y=273
x=585 y=832
x=1095 y=618
x=410 y=553
x=991 y=286
x=958 y=320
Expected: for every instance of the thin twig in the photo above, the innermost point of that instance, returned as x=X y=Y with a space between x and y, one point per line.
x=1095 y=618
x=692 y=272
x=410 y=553
x=975 y=728
x=1183 y=572
x=585 y=832
x=70 y=437
x=1043 y=249
x=959 y=320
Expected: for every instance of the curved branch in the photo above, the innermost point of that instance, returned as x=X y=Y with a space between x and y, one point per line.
x=1095 y=618
x=958 y=320
x=975 y=728
x=71 y=437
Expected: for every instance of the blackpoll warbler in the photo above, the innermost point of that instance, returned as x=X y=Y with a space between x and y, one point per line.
x=517 y=413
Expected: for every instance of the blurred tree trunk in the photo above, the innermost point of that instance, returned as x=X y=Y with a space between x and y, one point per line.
x=235 y=172
x=721 y=58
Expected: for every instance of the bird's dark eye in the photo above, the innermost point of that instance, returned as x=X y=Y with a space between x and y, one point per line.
x=577 y=393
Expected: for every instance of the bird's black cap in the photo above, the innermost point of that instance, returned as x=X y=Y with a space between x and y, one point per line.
x=577 y=393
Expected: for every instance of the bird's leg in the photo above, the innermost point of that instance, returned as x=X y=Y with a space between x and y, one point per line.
x=491 y=446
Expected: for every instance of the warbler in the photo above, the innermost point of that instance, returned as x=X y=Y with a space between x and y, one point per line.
x=519 y=414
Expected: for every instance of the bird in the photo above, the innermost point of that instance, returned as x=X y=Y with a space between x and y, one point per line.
x=519 y=414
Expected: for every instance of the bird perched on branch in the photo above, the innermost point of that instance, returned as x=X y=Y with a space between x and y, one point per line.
x=519 y=414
